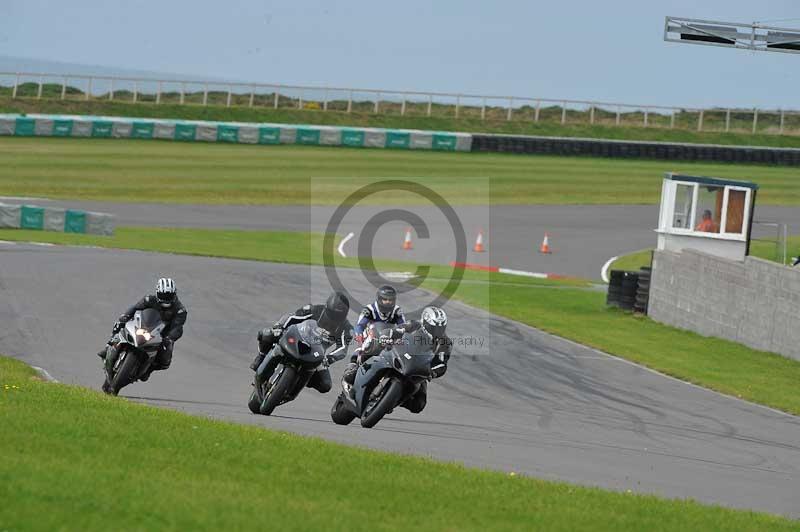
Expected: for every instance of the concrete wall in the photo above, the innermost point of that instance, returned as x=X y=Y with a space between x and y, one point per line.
x=754 y=302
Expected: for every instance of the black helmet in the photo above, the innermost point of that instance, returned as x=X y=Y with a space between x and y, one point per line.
x=165 y=292
x=335 y=313
x=434 y=321
x=385 y=300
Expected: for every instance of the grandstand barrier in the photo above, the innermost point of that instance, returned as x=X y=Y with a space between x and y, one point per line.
x=231 y=132
x=55 y=219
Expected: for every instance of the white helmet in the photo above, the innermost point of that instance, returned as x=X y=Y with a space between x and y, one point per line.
x=434 y=321
x=165 y=292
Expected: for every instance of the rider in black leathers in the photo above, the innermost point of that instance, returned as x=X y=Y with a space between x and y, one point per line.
x=173 y=314
x=331 y=317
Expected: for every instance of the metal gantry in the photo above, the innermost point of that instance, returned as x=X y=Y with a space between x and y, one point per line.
x=753 y=36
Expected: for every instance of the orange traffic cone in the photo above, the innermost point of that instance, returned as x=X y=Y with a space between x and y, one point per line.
x=545 y=247
x=407 y=241
x=478 y=248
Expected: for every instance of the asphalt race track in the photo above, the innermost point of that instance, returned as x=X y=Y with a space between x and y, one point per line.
x=526 y=402
x=582 y=237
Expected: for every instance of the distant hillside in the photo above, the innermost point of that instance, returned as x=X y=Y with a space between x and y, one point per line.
x=26 y=64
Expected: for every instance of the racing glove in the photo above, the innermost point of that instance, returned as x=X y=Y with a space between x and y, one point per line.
x=438 y=370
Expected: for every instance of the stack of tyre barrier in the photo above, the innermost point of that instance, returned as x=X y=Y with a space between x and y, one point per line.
x=637 y=149
x=614 y=296
x=642 y=291
x=55 y=219
x=629 y=290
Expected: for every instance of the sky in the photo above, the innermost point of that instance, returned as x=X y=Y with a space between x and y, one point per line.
x=607 y=51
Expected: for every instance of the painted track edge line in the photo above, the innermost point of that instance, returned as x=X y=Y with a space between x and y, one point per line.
x=657 y=372
x=343 y=242
x=45 y=374
x=604 y=271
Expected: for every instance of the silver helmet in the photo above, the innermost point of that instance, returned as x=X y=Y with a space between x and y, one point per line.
x=165 y=292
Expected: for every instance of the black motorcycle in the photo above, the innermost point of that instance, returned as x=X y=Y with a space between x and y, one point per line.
x=288 y=367
x=385 y=380
x=133 y=350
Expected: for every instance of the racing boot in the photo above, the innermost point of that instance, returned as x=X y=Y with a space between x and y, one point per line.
x=349 y=377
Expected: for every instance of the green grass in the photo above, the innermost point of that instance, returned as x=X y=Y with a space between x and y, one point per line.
x=763 y=249
x=442 y=119
x=176 y=172
x=632 y=261
x=565 y=308
x=76 y=459
x=582 y=316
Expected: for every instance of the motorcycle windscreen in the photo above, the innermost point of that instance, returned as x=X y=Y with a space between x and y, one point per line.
x=150 y=319
x=378 y=327
x=310 y=347
x=414 y=354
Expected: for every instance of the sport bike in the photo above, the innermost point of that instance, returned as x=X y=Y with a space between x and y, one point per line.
x=385 y=380
x=288 y=366
x=136 y=345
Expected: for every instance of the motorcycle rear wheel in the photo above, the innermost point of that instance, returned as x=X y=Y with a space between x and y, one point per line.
x=279 y=390
x=340 y=414
x=254 y=404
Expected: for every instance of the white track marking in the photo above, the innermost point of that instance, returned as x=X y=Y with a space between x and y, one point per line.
x=7 y=242
x=400 y=276
x=44 y=373
x=604 y=271
x=343 y=242
x=23 y=198
x=535 y=275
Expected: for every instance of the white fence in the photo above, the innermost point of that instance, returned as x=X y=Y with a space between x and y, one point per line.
x=402 y=103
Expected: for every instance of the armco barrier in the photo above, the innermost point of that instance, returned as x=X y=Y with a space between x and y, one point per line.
x=635 y=149
x=234 y=132
x=55 y=219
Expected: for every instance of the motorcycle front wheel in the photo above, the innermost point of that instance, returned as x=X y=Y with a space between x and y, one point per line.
x=391 y=395
x=277 y=392
x=125 y=374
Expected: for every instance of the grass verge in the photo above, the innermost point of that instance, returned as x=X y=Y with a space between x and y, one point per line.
x=293 y=247
x=443 y=120
x=758 y=248
x=582 y=316
x=74 y=458
x=571 y=311
x=177 y=172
